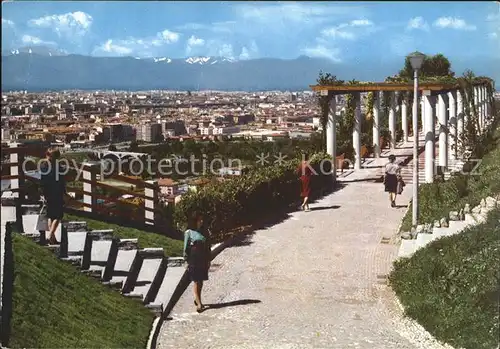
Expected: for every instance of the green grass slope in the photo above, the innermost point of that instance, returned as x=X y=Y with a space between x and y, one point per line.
x=55 y=306
x=451 y=287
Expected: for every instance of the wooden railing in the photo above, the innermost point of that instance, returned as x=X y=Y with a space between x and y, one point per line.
x=91 y=200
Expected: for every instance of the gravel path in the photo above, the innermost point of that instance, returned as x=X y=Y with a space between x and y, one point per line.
x=315 y=280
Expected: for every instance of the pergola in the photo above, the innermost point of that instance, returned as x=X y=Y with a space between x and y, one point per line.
x=441 y=101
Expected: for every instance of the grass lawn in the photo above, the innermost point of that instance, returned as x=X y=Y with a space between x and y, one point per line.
x=437 y=199
x=57 y=307
x=172 y=248
x=451 y=287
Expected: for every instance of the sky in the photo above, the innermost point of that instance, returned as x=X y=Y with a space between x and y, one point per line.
x=338 y=31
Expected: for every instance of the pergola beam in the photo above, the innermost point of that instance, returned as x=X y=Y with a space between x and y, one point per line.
x=387 y=86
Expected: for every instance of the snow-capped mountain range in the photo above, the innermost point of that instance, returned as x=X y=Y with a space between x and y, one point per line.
x=47 y=51
x=193 y=60
x=41 y=68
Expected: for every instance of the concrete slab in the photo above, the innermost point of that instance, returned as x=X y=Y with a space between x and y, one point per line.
x=146 y=275
x=123 y=263
x=167 y=288
x=100 y=251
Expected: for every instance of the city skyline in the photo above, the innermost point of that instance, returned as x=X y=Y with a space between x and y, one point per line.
x=335 y=31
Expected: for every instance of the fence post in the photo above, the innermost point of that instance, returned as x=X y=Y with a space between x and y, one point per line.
x=150 y=203
x=16 y=169
x=89 y=178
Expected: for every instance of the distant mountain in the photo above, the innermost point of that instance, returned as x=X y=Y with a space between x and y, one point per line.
x=39 y=50
x=38 y=69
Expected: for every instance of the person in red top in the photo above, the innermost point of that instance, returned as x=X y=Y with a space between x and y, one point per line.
x=305 y=174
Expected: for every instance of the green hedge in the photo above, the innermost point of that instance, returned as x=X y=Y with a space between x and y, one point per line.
x=245 y=199
x=451 y=287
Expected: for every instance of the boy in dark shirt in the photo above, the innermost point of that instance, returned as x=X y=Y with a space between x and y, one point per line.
x=54 y=190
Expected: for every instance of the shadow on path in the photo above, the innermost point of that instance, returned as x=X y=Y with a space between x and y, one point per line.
x=279 y=216
x=401 y=206
x=319 y=208
x=231 y=304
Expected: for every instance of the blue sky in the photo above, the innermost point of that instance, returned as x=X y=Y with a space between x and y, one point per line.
x=245 y=30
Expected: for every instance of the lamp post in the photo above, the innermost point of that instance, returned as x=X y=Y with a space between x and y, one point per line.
x=416 y=61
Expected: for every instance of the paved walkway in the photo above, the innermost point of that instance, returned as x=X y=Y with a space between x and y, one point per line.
x=312 y=281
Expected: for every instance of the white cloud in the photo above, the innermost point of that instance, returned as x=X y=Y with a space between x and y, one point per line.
x=305 y=13
x=194 y=44
x=194 y=41
x=248 y=53
x=109 y=47
x=453 y=23
x=226 y=50
x=493 y=35
x=335 y=32
x=7 y=22
x=215 y=27
x=69 y=24
x=33 y=40
x=322 y=51
x=417 y=23
x=361 y=23
x=141 y=47
x=169 y=36
x=349 y=30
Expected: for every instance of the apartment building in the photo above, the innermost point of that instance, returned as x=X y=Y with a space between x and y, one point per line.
x=148 y=132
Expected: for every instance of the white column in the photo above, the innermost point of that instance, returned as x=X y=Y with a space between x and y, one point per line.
x=404 y=117
x=485 y=103
x=376 y=123
x=460 y=121
x=151 y=194
x=452 y=99
x=429 y=138
x=331 y=134
x=356 y=134
x=480 y=106
x=422 y=114
x=330 y=124
x=443 y=132
x=476 y=109
x=89 y=175
x=392 y=118
x=14 y=170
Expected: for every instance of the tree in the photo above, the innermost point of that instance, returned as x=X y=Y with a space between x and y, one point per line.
x=433 y=66
x=324 y=101
x=112 y=147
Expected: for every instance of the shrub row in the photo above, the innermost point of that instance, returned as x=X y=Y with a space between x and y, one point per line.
x=245 y=199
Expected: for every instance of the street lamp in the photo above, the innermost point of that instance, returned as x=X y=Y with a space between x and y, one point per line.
x=416 y=61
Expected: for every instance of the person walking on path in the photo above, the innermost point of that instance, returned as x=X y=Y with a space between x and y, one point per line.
x=54 y=190
x=197 y=253
x=305 y=174
x=392 y=178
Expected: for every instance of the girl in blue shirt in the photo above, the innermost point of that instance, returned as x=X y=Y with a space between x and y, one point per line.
x=197 y=254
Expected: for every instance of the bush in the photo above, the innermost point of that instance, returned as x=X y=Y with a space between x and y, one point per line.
x=451 y=286
x=244 y=199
